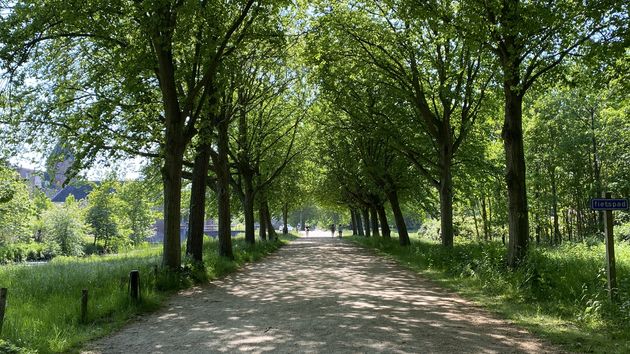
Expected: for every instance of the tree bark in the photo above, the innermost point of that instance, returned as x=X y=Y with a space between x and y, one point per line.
x=357 y=215
x=484 y=218
x=194 y=242
x=262 y=221
x=172 y=182
x=223 y=191
x=403 y=235
x=271 y=231
x=382 y=216
x=248 y=208
x=374 y=219
x=518 y=219
x=446 y=196
x=366 y=220
x=557 y=238
x=353 y=218
x=285 y=219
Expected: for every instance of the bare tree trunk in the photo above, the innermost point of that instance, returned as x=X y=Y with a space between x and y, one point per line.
x=285 y=219
x=194 y=243
x=357 y=215
x=248 y=208
x=374 y=219
x=557 y=238
x=353 y=218
x=597 y=171
x=223 y=191
x=271 y=231
x=366 y=220
x=172 y=182
x=484 y=218
x=446 y=192
x=403 y=235
x=262 y=221
x=515 y=172
x=382 y=216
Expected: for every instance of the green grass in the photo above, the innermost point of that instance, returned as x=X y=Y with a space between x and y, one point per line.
x=559 y=294
x=43 y=303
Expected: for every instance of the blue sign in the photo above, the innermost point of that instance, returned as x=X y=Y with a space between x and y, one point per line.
x=609 y=204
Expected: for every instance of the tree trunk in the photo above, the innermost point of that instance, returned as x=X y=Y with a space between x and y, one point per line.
x=271 y=231
x=248 y=208
x=374 y=219
x=382 y=216
x=475 y=219
x=515 y=171
x=403 y=235
x=484 y=218
x=172 y=182
x=366 y=220
x=357 y=215
x=557 y=238
x=194 y=243
x=446 y=198
x=223 y=191
x=285 y=219
x=262 y=230
x=353 y=217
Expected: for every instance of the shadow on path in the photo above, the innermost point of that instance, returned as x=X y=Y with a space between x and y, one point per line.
x=320 y=295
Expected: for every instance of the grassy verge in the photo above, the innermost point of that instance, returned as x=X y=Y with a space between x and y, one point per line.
x=559 y=294
x=43 y=306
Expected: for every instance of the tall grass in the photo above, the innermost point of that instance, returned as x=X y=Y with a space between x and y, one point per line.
x=559 y=293
x=43 y=306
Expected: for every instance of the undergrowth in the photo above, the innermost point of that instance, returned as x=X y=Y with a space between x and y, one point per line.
x=43 y=302
x=559 y=293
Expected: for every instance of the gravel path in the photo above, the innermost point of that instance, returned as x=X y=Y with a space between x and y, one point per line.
x=320 y=295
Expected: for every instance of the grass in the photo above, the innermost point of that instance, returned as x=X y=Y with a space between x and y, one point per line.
x=43 y=303
x=559 y=293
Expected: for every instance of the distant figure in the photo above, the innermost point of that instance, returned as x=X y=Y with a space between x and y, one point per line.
x=332 y=230
x=340 y=231
x=308 y=228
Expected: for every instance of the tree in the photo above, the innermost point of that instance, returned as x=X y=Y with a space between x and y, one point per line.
x=137 y=209
x=414 y=56
x=528 y=40
x=16 y=207
x=134 y=76
x=64 y=229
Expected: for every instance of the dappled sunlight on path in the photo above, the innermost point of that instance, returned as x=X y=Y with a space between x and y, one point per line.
x=320 y=294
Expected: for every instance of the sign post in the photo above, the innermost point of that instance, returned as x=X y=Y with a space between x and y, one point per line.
x=607 y=204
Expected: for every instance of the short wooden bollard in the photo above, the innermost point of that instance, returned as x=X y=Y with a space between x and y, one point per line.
x=134 y=285
x=3 y=303
x=84 y=304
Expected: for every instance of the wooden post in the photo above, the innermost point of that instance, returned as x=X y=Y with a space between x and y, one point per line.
x=84 y=303
x=610 y=251
x=3 y=303
x=134 y=285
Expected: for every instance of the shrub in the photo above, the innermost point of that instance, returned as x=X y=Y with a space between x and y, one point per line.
x=64 y=229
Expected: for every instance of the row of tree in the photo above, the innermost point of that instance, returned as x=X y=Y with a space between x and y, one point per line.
x=423 y=85
x=205 y=89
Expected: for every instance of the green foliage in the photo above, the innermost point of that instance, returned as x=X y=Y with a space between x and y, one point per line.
x=136 y=212
x=16 y=208
x=560 y=285
x=64 y=229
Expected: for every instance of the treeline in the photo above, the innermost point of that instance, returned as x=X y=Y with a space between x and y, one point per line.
x=207 y=91
x=508 y=116
x=114 y=217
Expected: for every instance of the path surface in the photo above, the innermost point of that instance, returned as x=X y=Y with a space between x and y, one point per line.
x=320 y=295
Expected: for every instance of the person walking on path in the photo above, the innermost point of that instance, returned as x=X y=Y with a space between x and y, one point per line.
x=332 y=229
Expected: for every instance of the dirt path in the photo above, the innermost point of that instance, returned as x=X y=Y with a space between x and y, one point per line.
x=320 y=295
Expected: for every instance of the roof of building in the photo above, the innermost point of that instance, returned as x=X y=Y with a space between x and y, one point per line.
x=79 y=192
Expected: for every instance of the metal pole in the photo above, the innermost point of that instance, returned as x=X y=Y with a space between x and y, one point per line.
x=610 y=251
